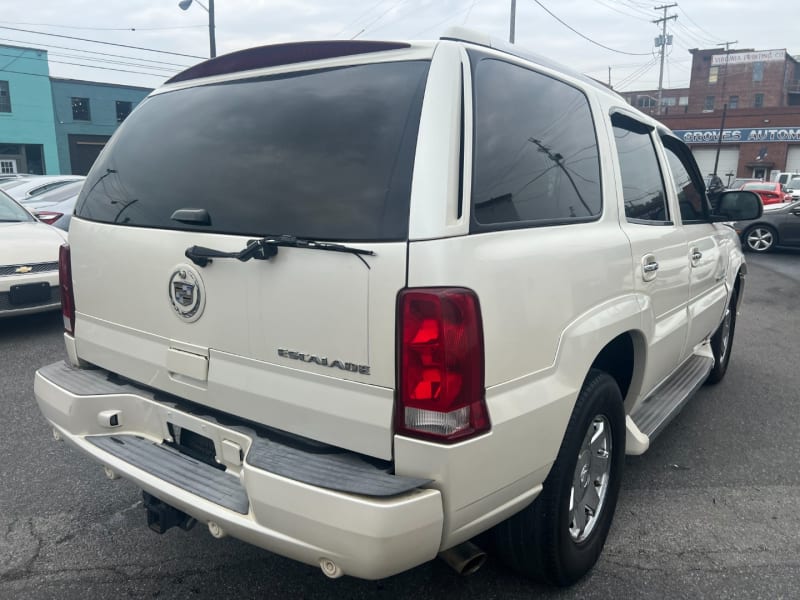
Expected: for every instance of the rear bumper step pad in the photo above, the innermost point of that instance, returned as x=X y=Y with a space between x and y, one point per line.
x=331 y=468
x=178 y=469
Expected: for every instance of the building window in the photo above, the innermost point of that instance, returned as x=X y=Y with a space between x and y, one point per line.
x=758 y=71
x=80 y=109
x=683 y=101
x=709 y=105
x=733 y=102
x=667 y=101
x=8 y=166
x=5 y=97
x=123 y=110
x=713 y=75
x=645 y=102
x=759 y=101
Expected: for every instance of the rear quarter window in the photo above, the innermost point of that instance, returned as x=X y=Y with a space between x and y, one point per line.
x=535 y=159
x=325 y=154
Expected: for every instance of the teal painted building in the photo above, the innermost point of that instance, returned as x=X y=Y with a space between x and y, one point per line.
x=27 y=124
x=86 y=115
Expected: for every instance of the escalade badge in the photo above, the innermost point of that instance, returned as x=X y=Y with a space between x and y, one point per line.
x=24 y=269
x=186 y=293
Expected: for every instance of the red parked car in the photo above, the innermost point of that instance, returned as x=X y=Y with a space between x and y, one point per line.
x=770 y=192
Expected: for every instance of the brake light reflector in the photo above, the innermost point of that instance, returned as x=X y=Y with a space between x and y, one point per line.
x=440 y=381
x=65 y=284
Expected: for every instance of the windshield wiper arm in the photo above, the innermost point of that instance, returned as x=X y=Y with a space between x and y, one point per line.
x=267 y=247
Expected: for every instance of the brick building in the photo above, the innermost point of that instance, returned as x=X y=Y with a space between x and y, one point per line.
x=761 y=133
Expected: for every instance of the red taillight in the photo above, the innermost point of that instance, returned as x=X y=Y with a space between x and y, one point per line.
x=65 y=283
x=440 y=386
x=49 y=216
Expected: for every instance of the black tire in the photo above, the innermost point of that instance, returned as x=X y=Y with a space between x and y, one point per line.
x=539 y=541
x=760 y=238
x=722 y=342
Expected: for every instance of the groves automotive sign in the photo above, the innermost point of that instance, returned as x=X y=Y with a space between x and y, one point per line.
x=738 y=136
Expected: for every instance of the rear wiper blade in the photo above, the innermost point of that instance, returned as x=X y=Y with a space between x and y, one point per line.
x=267 y=247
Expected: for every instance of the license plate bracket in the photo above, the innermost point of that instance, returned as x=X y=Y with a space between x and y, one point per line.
x=29 y=293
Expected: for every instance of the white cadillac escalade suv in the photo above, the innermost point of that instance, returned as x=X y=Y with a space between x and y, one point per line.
x=358 y=302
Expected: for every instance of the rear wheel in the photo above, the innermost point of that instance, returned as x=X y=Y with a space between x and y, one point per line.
x=722 y=340
x=760 y=238
x=558 y=538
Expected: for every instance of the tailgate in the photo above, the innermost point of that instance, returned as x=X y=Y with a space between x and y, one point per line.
x=303 y=342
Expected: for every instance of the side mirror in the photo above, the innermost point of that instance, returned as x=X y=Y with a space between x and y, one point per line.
x=738 y=205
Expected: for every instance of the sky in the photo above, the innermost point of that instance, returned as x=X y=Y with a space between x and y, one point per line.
x=603 y=38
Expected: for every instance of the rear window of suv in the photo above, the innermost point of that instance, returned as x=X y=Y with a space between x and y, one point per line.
x=325 y=154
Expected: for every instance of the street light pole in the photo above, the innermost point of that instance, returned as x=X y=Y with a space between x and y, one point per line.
x=513 y=23
x=212 y=42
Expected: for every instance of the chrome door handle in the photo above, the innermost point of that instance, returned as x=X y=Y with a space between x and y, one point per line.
x=696 y=255
x=650 y=267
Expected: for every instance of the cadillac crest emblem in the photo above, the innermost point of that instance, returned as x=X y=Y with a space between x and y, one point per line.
x=186 y=293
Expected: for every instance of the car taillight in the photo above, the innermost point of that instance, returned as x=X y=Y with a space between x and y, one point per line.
x=48 y=216
x=65 y=283
x=440 y=378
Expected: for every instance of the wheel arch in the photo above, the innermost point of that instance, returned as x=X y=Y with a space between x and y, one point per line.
x=622 y=358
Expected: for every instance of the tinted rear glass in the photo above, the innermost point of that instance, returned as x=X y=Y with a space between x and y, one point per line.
x=535 y=160
x=324 y=154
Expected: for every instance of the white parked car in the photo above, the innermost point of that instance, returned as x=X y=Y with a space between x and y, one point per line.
x=28 y=261
x=25 y=188
x=366 y=300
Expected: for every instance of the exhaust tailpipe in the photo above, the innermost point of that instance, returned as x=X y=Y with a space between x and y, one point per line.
x=465 y=559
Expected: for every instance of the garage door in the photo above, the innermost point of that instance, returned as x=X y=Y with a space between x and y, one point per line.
x=728 y=161
x=793 y=159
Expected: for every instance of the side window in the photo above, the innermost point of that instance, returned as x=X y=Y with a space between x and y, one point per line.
x=535 y=159
x=689 y=190
x=642 y=185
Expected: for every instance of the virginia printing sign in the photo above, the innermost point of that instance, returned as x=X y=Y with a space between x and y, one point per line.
x=740 y=58
x=738 y=136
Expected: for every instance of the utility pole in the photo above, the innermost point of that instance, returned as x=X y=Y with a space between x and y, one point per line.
x=513 y=21
x=724 y=103
x=663 y=21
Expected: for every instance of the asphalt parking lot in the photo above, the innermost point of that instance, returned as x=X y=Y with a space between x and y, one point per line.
x=712 y=510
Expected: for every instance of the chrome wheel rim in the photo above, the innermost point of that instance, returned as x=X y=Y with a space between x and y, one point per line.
x=591 y=479
x=760 y=239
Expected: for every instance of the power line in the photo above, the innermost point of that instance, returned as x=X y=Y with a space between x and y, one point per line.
x=69 y=37
x=452 y=16
x=622 y=12
x=161 y=75
x=150 y=60
x=710 y=36
x=358 y=18
x=383 y=14
x=588 y=39
x=113 y=62
x=103 y=28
